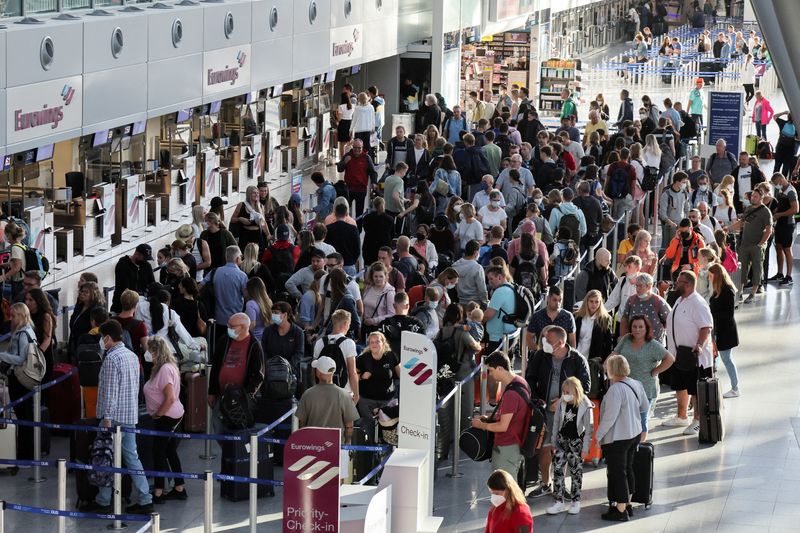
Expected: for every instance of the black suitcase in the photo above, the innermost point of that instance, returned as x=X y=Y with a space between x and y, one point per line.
x=643 y=474
x=569 y=294
x=80 y=446
x=45 y=432
x=236 y=462
x=266 y=412
x=363 y=462
x=709 y=403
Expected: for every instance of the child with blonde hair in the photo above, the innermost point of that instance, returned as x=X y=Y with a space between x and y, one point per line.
x=571 y=437
x=475 y=321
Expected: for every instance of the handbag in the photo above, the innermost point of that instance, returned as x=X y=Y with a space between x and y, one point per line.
x=685 y=358
x=476 y=443
x=31 y=372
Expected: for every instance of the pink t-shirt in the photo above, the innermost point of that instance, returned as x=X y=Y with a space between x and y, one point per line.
x=154 y=391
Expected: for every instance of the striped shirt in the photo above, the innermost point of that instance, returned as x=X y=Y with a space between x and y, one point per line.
x=118 y=391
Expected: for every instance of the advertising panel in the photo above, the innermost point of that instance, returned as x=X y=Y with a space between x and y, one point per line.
x=226 y=69
x=347 y=44
x=42 y=109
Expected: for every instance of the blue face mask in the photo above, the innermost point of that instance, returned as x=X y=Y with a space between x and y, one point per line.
x=232 y=333
x=276 y=318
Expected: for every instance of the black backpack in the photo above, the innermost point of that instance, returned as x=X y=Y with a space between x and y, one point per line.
x=207 y=296
x=279 y=379
x=89 y=359
x=571 y=222
x=35 y=260
x=524 y=303
x=650 y=179
x=533 y=437
x=525 y=274
x=281 y=266
x=333 y=349
x=341 y=189
x=504 y=143
x=446 y=350
x=235 y=408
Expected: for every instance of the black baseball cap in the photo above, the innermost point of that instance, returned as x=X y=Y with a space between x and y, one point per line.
x=146 y=251
x=217 y=202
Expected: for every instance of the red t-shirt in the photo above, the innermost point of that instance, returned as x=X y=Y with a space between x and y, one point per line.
x=500 y=521
x=234 y=367
x=512 y=402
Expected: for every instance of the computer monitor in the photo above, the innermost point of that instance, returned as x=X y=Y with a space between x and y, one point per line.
x=215 y=107
x=100 y=138
x=355 y=70
x=183 y=115
x=77 y=182
x=139 y=127
x=330 y=76
x=308 y=82
x=277 y=90
x=43 y=153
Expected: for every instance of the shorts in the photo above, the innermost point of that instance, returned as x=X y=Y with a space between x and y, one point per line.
x=687 y=379
x=784 y=235
x=549 y=416
x=507 y=458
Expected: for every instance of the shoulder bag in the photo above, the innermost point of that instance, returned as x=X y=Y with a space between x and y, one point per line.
x=31 y=372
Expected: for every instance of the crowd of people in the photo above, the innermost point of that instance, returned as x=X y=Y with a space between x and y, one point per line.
x=309 y=302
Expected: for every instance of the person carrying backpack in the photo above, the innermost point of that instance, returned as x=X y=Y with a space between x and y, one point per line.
x=568 y=215
x=17 y=265
x=502 y=303
x=619 y=184
x=281 y=257
x=326 y=404
x=453 y=126
x=565 y=255
x=341 y=349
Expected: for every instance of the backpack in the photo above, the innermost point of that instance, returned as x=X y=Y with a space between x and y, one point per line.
x=667 y=157
x=764 y=150
x=446 y=351
x=618 y=183
x=281 y=265
x=571 y=222
x=448 y=122
x=504 y=142
x=525 y=274
x=570 y=254
x=279 y=379
x=31 y=372
x=485 y=255
x=533 y=437
x=234 y=409
x=35 y=260
x=207 y=297
x=333 y=349
x=524 y=303
x=341 y=189
x=102 y=454
x=650 y=178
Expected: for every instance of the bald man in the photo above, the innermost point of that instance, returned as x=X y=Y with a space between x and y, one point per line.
x=597 y=275
x=237 y=361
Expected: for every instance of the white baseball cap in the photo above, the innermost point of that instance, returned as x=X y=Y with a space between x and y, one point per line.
x=324 y=364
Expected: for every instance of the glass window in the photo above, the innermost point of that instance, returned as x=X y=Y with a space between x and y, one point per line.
x=74 y=4
x=40 y=6
x=10 y=8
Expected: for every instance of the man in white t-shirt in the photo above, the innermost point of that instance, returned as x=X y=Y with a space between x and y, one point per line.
x=689 y=324
x=340 y=348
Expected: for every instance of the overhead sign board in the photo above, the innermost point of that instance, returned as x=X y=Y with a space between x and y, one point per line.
x=226 y=69
x=43 y=109
x=347 y=44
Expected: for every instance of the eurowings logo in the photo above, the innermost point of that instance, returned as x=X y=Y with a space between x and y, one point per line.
x=421 y=373
x=310 y=468
x=241 y=57
x=67 y=93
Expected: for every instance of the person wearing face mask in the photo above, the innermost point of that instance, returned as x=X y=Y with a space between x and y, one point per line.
x=684 y=249
x=502 y=304
x=237 y=360
x=703 y=193
x=481 y=198
x=673 y=206
x=424 y=247
x=509 y=512
x=546 y=373
x=493 y=214
x=425 y=312
x=571 y=438
x=645 y=303
x=703 y=230
x=746 y=177
x=648 y=124
x=132 y=272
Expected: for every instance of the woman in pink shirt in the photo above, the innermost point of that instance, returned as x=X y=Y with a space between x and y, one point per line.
x=762 y=114
x=161 y=394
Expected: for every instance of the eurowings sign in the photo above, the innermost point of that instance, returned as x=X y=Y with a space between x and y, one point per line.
x=347 y=44
x=311 y=480
x=43 y=109
x=226 y=69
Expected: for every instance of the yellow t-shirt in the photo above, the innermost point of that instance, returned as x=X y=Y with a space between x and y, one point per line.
x=601 y=125
x=624 y=247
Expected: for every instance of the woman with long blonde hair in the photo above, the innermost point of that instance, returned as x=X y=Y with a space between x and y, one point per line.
x=377 y=367
x=250 y=219
x=162 y=399
x=593 y=327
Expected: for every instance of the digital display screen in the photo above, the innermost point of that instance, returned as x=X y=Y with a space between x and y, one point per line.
x=43 y=153
x=308 y=82
x=30 y=157
x=184 y=115
x=100 y=138
x=127 y=130
x=139 y=127
x=355 y=70
x=277 y=91
x=330 y=76
x=216 y=106
x=7 y=162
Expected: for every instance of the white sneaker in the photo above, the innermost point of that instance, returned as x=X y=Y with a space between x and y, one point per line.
x=733 y=393
x=575 y=508
x=692 y=429
x=558 y=507
x=675 y=422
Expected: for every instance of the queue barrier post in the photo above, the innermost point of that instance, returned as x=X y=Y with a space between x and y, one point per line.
x=484 y=385
x=295 y=420
x=208 y=455
x=36 y=476
x=208 y=517
x=454 y=473
x=62 y=494
x=155 y=521
x=2 y=516
x=117 y=525
x=253 y=486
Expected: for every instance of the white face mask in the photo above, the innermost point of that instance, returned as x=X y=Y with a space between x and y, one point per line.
x=703 y=188
x=495 y=203
x=450 y=286
x=102 y=345
x=566 y=398
x=457 y=208
x=497 y=499
x=546 y=346
x=232 y=333
x=643 y=296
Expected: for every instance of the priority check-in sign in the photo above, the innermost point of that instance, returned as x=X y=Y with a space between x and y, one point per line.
x=311 y=481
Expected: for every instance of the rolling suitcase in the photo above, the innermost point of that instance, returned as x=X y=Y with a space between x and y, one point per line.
x=709 y=405
x=595 y=452
x=362 y=462
x=196 y=391
x=643 y=474
x=45 y=432
x=64 y=399
x=8 y=432
x=236 y=462
x=267 y=411
x=569 y=294
x=751 y=144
